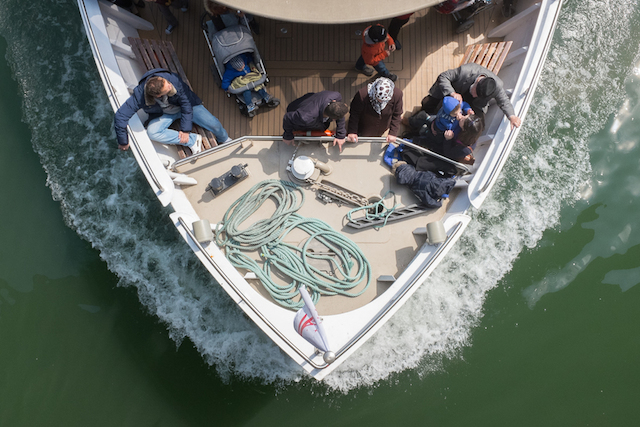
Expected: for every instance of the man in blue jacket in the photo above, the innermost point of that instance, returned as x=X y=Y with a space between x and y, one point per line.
x=166 y=98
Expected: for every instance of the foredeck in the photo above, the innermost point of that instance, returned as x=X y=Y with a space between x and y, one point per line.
x=302 y=58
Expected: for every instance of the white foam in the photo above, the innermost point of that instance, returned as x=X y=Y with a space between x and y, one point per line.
x=105 y=198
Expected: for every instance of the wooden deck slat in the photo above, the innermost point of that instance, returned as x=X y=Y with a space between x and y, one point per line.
x=153 y=61
x=503 y=56
x=496 y=54
x=489 y=55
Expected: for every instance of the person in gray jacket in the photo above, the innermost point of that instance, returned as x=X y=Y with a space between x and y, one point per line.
x=475 y=85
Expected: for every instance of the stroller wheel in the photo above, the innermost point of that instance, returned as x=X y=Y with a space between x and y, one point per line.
x=465 y=26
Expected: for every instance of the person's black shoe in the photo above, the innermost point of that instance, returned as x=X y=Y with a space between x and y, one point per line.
x=392 y=77
x=425 y=129
x=272 y=102
x=368 y=70
x=170 y=29
x=140 y=4
x=398 y=45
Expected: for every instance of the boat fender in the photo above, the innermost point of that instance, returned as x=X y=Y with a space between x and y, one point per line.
x=202 y=231
x=181 y=179
x=436 y=233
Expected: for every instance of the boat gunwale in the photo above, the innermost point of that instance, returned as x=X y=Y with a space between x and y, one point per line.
x=163 y=192
x=479 y=186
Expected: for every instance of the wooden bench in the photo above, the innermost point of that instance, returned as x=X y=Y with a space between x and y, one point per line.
x=161 y=54
x=489 y=55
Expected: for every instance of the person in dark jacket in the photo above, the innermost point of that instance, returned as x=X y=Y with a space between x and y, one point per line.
x=428 y=186
x=315 y=111
x=166 y=98
x=473 y=84
x=458 y=148
x=375 y=109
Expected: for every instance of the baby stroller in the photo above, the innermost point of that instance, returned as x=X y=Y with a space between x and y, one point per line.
x=463 y=11
x=228 y=43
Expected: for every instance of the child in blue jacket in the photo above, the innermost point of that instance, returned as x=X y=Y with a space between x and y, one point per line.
x=448 y=117
x=240 y=66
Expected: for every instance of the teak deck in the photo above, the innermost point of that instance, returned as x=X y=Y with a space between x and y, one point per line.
x=302 y=58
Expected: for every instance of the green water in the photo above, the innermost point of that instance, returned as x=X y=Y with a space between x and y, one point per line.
x=551 y=338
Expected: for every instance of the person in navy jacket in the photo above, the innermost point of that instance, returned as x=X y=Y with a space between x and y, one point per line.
x=315 y=111
x=166 y=98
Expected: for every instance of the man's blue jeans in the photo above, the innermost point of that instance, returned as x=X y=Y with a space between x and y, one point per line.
x=379 y=67
x=158 y=129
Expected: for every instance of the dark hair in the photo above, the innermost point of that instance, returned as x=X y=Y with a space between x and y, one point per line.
x=154 y=86
x=336 y=110
x=486 y=87
x=473 y=128
x=377 y=33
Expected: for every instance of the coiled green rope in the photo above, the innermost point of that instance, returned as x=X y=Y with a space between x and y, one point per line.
x=384 y=211
x=268 y=235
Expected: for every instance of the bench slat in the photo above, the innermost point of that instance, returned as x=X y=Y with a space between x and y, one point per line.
x=489 y=55
x=503 y=55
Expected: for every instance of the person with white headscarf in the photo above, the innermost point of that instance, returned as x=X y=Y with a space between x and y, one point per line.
x=375 y=109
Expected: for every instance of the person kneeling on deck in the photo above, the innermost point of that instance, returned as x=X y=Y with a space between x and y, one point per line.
x=315 y=111
x=471 y=83
x=239 y=72
x=166 y=98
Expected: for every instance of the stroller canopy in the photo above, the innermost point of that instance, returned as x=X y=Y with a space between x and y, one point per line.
x=233 y=41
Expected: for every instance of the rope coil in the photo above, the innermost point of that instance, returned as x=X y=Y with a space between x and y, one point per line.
x=283 y=259
x=379 y=209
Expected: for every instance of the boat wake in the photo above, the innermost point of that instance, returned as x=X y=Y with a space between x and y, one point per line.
x=105 y=198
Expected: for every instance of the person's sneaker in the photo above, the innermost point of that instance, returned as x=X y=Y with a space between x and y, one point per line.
x=398 y=45
x=228 y=140
x=392 y=77
x=251 y=110
x=368 y=70
x=271 y=101
x=197 y=146
x=170 y=29
x=396 y=165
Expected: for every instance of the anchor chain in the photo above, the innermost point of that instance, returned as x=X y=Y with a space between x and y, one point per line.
x=340 y=193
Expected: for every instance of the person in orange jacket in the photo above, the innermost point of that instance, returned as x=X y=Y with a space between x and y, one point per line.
x=376 y=46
